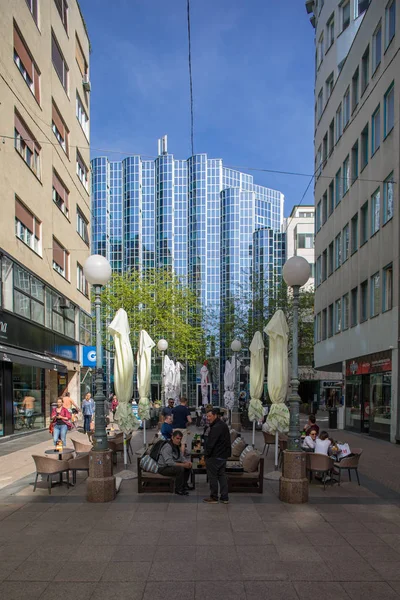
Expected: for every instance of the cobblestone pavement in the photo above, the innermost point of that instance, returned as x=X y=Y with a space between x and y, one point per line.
x=344 y=542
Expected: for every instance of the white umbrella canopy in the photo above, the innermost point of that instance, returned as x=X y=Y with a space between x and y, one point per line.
x=144 y=373
x=177 y=381
x=278 y=376
x=229 y=384
x=169 y=378
x=257 y=372
x=123 y=371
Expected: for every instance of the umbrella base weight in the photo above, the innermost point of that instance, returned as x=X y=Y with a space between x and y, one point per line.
x=293 y=485
x=235 y=421
x=100 y=485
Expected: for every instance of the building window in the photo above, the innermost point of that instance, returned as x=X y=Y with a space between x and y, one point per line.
x=346 y=108
x=345 y=312
x=62 y=8
x=325 y=150
x=339 y=123
x=338 y=250
x=82 y=117
x=324 y=267
x=330 y=320
x=60 y=259
x=330 y=259
x=331 y=197
x=59 y=128
x=318 y=215
x=320 y=103
x=387 y=296
x=354 y=307
x=388 y=195
x=26 y=65
x=331 y=136
x=305 y=240
x=338 y=316
x=324 y=325
x=389 y=110
x=82 y=226
x=28 y=295
x=364 y=147
x=26 y=145
x=354 y=162
x=346 y=242
x=375 y=295
x=364 y=302
x=60 y=194
x=85 y=329
x=324 y=208
x=338 y=187
x=59 y=63
x=354 y=233
x=364 y=223
x=82 y=171
x=319 y=271
x=33 y=7
x=375 y=211
x=81 y=283
x=355 y=90
x=346 y=175
x=330 y=32
x=390 y=22
x=80 y=59
x=345 y=14
x=365 y=71
x=59 y=319
x=28 y=227
x=329 y=86
x=376 y=130
x=320 y=50
x=360 y=6
x=377 y=48
x=318 y=166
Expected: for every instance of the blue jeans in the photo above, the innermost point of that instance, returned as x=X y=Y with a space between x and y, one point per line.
x=60 y=431
x=87 y=419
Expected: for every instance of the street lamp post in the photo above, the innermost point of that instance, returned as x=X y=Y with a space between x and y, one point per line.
x=293 y=484
x=162 y=345
x=247 y=370
x=101 y=482
x=236 y=346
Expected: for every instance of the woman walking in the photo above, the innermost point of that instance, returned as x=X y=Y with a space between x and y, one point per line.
x=88 y=412
x=60 y=418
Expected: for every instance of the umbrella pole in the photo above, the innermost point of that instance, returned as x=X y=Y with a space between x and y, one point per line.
x=276 y=449
x=125 y=453
x=144 y=433
x=254 y=432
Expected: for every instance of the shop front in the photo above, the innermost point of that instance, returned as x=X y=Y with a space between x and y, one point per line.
x=368 y=394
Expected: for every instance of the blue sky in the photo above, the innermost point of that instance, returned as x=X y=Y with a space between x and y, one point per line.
x=253 y=83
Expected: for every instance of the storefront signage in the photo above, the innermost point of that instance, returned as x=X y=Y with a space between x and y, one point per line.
x=89 y=356
x=3 y=327
x=331 y=384
x=374 y=363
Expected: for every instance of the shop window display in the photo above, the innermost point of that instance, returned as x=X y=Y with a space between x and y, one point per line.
x=28 y=397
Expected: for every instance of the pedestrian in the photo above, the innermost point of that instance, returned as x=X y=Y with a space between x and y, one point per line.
x=311 y=424
x=182 y=419
x=167 y=410
x=60 y=418
x=71 y=407
x=172 y=464
x=88 y=412
x=166 y=428
x=217 y=450
x=28 y=405
x=114 y=405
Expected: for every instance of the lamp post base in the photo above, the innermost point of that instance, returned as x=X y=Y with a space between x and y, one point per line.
x=293 y=485
x=101 y=481
x=235 y=420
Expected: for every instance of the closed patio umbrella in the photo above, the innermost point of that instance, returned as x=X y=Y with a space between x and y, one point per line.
x=169 y=379
x=143 y=377
x=123 y=379
x=278 y=376
x=177 y=381
x=257 y=372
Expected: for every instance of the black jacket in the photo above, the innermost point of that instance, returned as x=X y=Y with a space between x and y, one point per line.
x=219 y=440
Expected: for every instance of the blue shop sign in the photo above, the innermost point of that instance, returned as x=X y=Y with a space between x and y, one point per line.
x=68 y=352
x=89 y=356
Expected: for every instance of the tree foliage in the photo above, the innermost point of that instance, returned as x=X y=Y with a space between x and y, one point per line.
x=160 y=302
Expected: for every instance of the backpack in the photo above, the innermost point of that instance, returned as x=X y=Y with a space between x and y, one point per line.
x=156 y=449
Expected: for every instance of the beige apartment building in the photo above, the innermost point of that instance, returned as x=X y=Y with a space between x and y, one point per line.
x=357 y=206
x=45 y=202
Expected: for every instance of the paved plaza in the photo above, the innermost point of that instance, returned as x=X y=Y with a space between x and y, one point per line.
x=343 y=544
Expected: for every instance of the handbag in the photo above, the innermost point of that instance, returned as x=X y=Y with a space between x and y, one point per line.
x=51 y=428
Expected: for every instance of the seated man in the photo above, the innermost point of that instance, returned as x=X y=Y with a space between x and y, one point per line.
x=166 y=428
x=311 y=425
x=171 y=464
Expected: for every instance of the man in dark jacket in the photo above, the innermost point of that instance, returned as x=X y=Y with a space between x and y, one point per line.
x=218 y=449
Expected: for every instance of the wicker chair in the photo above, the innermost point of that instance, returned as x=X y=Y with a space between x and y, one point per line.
x=269 y=440
x=81 y=463
x=80 y=447
x=321 y=463
x=117 y=446
x=47 y=467
x=349 y=463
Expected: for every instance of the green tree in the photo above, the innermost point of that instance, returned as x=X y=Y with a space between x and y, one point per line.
x=160 y=302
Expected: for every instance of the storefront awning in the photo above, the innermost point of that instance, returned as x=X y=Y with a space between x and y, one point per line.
x=33 y=359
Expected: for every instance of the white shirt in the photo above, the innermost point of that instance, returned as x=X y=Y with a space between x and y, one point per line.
x=308 y=442
x=322 y=446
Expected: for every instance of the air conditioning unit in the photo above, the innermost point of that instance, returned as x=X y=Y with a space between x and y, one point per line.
x=86 y=83
x=65 y=303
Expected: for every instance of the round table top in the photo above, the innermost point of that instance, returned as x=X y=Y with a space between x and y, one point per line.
x=64 y=451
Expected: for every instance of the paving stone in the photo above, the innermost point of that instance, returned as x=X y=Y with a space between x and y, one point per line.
x=17 y=590
x=217 y=569
x=395 y=585
x=359 y=570
x=174 y=570
x=372 y=590
x=81 y=571
x=267 y=590
x=214 y=553
x=259 y=569
x=389 y=571
x=332 y=591
x=251 y=538
x=219 y=590
x=119 y=590
x=123 y=553
x=143 y=538
x=39 y=570
x=362 y=539
x=126 y=571
x=291 y=552
x=218 y=538
x=72 y=591
x=168 y=590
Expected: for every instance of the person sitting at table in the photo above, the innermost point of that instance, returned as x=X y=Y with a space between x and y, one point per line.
x=60 y=417
x=323 y=443
x=171 y=463
x=166 y=428
x=311 y=424
x=309 y=440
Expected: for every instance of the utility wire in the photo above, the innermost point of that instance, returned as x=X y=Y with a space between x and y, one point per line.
x=190 y=79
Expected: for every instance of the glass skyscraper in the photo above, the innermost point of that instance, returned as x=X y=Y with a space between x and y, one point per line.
x=209 y=223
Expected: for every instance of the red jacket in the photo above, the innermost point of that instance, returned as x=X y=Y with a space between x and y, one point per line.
x=63 y=413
